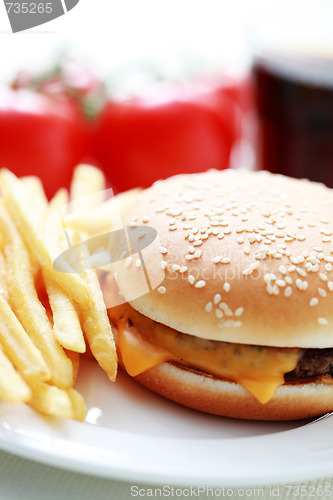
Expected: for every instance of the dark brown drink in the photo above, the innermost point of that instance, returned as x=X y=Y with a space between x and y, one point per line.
x=294 y=99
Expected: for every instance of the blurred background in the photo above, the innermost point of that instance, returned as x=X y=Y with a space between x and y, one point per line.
x=147 y=89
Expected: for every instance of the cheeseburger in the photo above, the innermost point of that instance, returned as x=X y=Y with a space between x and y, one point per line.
x=238 y=317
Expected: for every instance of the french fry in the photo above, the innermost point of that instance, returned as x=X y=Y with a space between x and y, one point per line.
x=19 y=347
x=97 y=328
x=95 y=321
x=26 y=305
x=31 y=226
x=3 y=279
x=56 y=402
x=36 y=192
x=75 y=359
x=104 y=217
x=60 y=199
x=87 y=180
x=12 y=386
x=78 y=405
x=66 y=323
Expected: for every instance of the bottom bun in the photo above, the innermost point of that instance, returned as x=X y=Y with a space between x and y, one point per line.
x=220 y=397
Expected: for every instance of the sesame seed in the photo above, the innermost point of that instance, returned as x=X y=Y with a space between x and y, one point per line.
x=240 y=240
x=288 y=280
x=145 y=219
x=237 y=324
x=200 y=284
x=301 y=237
x=326 y=239
x=163 y=250
x=175 y=267
x=226 y=287
x=128 y=261
x=197 y=254
x=191 y=279
x=247 y=250
x=217 y=259
x=164 y=264
x=172 y=228
x=175 y=213
x=281 y=283
x=288 y=291
x=205 y=236
x=247 y=272
x=314 y=302
x=197 y=243
x=301 y=272
x=161 y=290
x=138 y=263
x=239 y=311
x=322 y=292
x=189 y=257
x=323 y=276
x=283 y=269
x=219 y=313
x=322 y=321
x=269 y=277
x=225 y=260
x=133 y=224
x=299 y=284
x=330 y=286
x=183 y=269
x=217 y=298
x=254 y=265
x=209 y=307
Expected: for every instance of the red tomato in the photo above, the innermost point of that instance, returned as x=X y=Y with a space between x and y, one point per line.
x=39 y=137
x=141 y=140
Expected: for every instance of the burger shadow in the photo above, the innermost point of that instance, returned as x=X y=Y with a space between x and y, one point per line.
x=129 y=407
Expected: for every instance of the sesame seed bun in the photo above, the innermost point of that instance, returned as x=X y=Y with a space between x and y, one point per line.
x=220 y=397
x=243 y=257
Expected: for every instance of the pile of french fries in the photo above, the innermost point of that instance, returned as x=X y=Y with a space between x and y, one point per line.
x=47 y=316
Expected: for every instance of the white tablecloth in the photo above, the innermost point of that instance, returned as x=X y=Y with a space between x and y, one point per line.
x=22 y=479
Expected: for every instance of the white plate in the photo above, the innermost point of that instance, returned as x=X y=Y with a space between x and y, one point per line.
x=133 y=435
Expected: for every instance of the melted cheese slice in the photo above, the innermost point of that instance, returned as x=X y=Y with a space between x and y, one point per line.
x=143 y=344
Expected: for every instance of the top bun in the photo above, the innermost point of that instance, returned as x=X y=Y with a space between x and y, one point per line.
x=258 y=252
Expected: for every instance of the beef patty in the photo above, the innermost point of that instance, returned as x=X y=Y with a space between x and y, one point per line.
x=313 y=363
